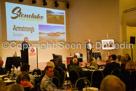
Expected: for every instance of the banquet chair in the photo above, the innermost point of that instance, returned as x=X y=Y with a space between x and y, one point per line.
x=125 y=77
x=82 y=83
x=96 y=78
x=62 y=75
x=116 y=72
x=73 y=76
x=56 y=81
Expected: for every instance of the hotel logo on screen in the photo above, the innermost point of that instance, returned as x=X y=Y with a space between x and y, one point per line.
x=31 y=17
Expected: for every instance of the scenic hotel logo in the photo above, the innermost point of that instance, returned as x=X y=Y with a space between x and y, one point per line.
x=30 y=17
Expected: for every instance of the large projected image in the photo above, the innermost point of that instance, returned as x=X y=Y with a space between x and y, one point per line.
x=34 y=22
x=51 y=32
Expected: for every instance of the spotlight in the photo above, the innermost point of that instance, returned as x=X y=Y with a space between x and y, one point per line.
x=20 y=0
x=67 y=5
x=56 y=4
x=44 y=2
x=33 y=1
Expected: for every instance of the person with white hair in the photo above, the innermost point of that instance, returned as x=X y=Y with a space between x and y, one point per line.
x=112 y=83
x=76 y=67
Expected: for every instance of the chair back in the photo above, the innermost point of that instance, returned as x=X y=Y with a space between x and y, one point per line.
x=56 y=81
x=116 y=72
x=61 y=73
x=63 y=79
x=73 y=76
x=96 y=79
x=82 y=83
x=125 y=77
x=36 y=71
x=133 y=81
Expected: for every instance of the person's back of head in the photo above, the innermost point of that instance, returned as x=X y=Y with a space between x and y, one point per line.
x=113 y=56
x=22 y=76
x=75 y=60
x=112 y=83
x=15 y=87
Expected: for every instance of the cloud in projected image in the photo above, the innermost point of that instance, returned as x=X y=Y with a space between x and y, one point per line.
x=52 y=32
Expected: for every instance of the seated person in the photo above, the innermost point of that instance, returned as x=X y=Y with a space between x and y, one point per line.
x=56 y=73
x=1 y=69
x=93 y=62
x=75 y=56
x=15 y=87
x=119 y=59
x=76 y=67
x=108 y=60
x=111 y=66
x=24 y=79
x=112 y=83
x=128 y=58
x=46 y=83
x=25 y=68
x=130 y=66
x=123 y=63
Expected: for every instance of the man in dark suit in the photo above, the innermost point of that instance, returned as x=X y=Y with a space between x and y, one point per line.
x=111 y=66
x=1 y=69
x=24 y=51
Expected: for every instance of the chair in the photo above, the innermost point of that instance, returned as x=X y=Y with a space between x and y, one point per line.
x=37 y=87
x=133 y=81
x=82 y=83
x=55 y=57
x=63 y=79
x=116 y=72
x=73 y=76
x=56 y=81
x=96 y=79
x=61 y=73
x=37 y=71
x=125 y=77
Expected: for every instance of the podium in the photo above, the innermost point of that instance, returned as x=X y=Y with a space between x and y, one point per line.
x=30 y=56
x=69 y=59
x=33 y=57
